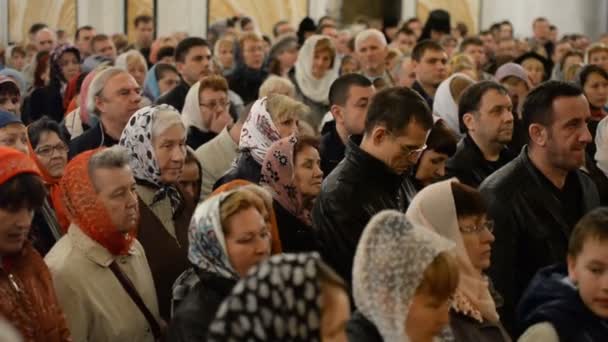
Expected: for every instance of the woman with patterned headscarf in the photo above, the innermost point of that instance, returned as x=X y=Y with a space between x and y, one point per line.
x=156 y=140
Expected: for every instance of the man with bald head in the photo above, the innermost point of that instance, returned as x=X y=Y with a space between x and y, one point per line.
x=45 y=40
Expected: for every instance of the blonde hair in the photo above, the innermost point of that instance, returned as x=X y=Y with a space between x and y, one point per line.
x=460 y=62
x=441 y=277
x=281 y=107
x=237 y=201
x=220 y=43
x=594 y=48
x=277 y=85
x=249 y=36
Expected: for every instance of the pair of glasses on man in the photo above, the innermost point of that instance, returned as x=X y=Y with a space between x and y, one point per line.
x=413 y=152
x=47 y=151
x=216 y=105
x=488 y=225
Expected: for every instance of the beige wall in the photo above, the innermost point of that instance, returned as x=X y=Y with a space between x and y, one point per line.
x=60 y=14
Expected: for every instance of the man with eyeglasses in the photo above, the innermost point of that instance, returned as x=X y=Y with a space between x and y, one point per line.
x=10 y=96
x=373 y=175
x=113 y=96
x=213 y=114
x=485 y=117
x=249 y=75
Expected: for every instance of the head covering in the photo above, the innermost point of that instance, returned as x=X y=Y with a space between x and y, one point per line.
x=388 y=268
x=547 y=64
x=56 y=74
x=8 y=118
x=8 y=82
x=315 y=89
x=151 y=89
x=88 y=118
x=191 y=113
x=87 y=211
x=444 y=104
x=278 y=177
x=18 y=77
x=279 y=300
x=70 y=91
x=14 y=163
x=123 y=62
x=137 y=138
x=601 y=143
x=258 y=132
x=438 y=20
x=434 y=208
x=512 y=70
x=306 y=25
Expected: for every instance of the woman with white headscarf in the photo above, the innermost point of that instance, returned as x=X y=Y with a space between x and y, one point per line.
x=316 y=69
x=457 y=212
x=399 y=270
x=445 y=104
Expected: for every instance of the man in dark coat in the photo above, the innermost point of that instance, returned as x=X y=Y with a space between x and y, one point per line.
x=249 y=74
x=485 y=116
x=193 y=61
x=372 y=176
x=536 y=199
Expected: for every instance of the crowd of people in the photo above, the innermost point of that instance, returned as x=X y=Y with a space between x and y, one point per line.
x=411 y=182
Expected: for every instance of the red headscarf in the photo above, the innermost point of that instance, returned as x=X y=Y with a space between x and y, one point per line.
x=86 y=210
x=14 y=163
x=70 y=92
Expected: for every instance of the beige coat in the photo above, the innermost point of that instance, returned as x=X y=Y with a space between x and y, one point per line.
x=215 y=156
x=95 y=304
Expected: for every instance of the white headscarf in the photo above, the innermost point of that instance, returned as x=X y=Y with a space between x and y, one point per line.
x=315 y=89
x=388 y=268
x=191 y=112
x=122 y=61
x=444 y=105
x=258 y=132
x=434 y=208
x=601 y=143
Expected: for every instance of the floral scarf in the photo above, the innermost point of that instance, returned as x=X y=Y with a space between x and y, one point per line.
x=258 y=132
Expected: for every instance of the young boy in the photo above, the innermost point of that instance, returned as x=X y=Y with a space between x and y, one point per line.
x=570 y=303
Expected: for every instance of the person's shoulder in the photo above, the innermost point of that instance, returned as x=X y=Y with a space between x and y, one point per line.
x=543 y=331
x=65 y=261
x=512 y=175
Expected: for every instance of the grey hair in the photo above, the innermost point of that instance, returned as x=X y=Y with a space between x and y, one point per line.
x=97 y=85
x=365 y=34
x=114 y=157
x=277 y=84
x=164 y=119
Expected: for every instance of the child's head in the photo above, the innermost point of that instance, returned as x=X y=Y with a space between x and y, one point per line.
x=588 y=260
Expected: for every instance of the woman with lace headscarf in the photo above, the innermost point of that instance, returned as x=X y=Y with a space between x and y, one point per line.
x=289 y=297
x=457 y=212
x=156 y=140
x=403 y=278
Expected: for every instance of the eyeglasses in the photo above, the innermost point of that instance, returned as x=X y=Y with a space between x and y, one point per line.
x=409 y=152
x=47 y=151
x=216 y=104
x=489 y=225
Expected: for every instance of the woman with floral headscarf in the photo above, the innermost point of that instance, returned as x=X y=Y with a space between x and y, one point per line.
x=403 y=278
x=228 y=235
x=48 y=100
x=156 y=140
x=457 y=212
x=289 y=297
x=291 y=172
x=270 y=119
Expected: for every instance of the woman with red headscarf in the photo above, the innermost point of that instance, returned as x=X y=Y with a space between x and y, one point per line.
x=99 y=269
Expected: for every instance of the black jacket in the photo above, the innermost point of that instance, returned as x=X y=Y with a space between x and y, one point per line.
x=358 y=188
x=91 y=139
x=533 y=221
x=331 y=148
x=552 y=298
x=360 y=329
x=246 y=82
x=44 y=101
x=196 y=137
x=418 y=88
x=246 y=168
x=469 y=165
x=194 y=314
x=176 y=97
x=295 y=235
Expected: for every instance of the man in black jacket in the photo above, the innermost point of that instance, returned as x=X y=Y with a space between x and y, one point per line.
x=485 y=116
x=249 y=74
x=349 y=98
x=193 y=61
x=372 y=176
x=536 y=199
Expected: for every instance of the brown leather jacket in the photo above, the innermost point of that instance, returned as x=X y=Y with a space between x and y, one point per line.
x=27 y=298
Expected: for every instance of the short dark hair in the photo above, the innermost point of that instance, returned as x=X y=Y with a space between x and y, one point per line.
x=406 y=31
x=423 y=46
x=244 y=21
x=538 y=105
x=24 y=191
x=9 y=89
x=44 y=124
x=470 y=99
x=394 y=108
x=82 y=28
x=100 y=37
x=185 y=45
x=467 y=200
x=441 y=139
x=470 y=41
x=163 y=68
x=275 y=28
x=165 y=51
x=18 y=49
x=304 y=141
x=587 y=70
x=142 y=19
x=594 y=225
x=339 y=89
x=37 y=27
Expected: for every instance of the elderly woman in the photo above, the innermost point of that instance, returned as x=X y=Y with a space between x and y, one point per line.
x=228 y=236
x=292 y=173
x=135 y=64
x=156 y=140
x=403 y=278
x=297 y=297
x=457 y=212
x=315 y=70
x=270 y=119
